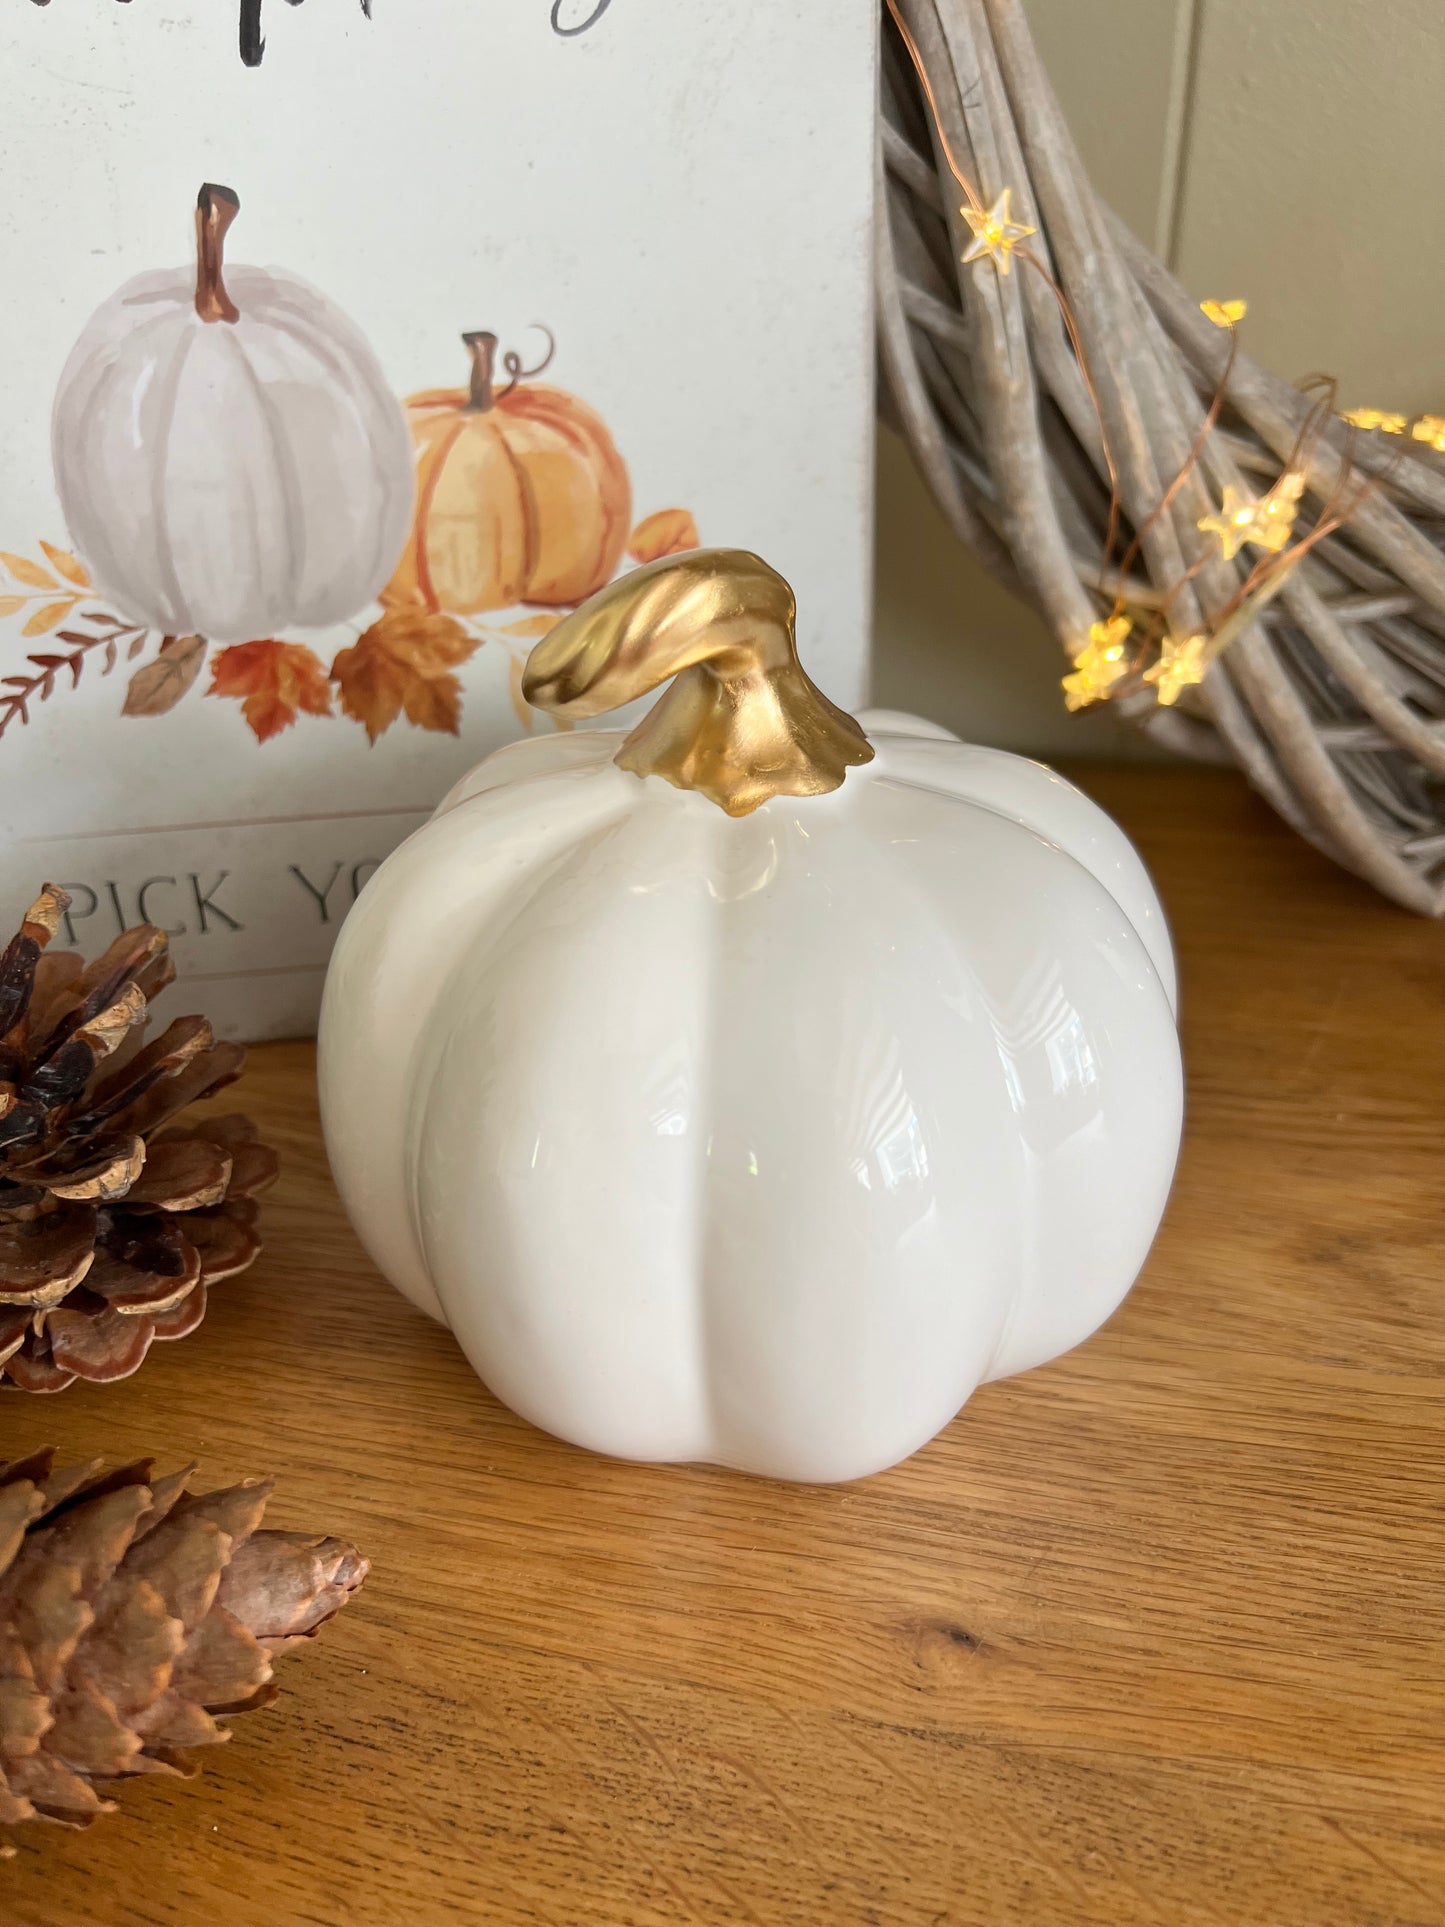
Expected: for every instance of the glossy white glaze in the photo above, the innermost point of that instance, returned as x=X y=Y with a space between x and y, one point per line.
x=759 y=1140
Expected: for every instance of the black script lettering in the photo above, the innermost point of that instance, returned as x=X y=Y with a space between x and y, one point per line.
x=559 y=7
x=253 y=43
x=369 y=865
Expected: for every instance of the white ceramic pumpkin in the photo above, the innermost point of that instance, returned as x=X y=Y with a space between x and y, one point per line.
x=228 y=455
x=761 y=1133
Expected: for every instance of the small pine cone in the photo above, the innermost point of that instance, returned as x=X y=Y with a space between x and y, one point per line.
x=132 y=1614
x=112 y=1227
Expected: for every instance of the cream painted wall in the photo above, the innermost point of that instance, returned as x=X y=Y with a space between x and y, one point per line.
x=1314 y=183
x=1287 y=152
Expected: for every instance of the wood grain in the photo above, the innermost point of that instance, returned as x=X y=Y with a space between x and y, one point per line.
x=1151 y=1636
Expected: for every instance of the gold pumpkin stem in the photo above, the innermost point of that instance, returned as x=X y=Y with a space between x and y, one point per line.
x=482 y=347
x=216 y=208
x=742 y=721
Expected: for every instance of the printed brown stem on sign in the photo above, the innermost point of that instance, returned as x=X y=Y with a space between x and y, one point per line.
x=481 y=345
x=216 y=209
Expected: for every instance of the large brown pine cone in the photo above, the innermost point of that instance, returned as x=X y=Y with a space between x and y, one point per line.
x=111 y=1227
x=133 y=1613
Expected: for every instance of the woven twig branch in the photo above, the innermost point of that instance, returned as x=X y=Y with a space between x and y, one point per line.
x=1333 y=700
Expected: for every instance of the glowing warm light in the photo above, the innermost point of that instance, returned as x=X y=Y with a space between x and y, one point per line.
x=1183 y=661
x=995 y=233
x=1100 y=664
x=1387 y=423
x=1265 y=520
x=1431 y=429
x=1224 y=314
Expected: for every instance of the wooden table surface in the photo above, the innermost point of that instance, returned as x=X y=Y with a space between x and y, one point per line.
x=1153 y=1635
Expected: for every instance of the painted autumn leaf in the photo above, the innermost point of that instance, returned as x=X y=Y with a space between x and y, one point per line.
x=403 y=663
x=158 y=686
x=274 y=682
x=68 y=565
x=668 y=532
x=49 y=616
x=30 y=573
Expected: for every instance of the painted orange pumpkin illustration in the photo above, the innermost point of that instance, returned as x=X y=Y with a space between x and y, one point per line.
x=521 y=494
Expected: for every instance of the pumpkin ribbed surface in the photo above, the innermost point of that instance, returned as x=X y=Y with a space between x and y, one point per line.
x=526 y=501
x=230 y=480
x=759 y=1139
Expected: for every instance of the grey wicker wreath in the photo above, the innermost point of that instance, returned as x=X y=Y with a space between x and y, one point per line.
x=1332 y=701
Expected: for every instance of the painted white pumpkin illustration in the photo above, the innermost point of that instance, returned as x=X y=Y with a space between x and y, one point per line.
x=229 y=458
x=730 y=1110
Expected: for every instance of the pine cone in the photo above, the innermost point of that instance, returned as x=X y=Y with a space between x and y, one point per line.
x=131 y=1614
x=111 y=1227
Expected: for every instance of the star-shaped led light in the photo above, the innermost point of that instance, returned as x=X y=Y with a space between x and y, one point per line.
x=1265 y=520
x=995 y=233
x=1224 y=314
x=1100 y=664
x=1387 y=422
x=1181 y=662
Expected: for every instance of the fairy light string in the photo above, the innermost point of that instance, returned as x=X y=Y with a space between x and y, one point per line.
x=1265 y=520
x=996 y=234
x=1002 y=239
x=1101 y=664
x=1387 y=423
x=1429 y=429
x=1183 y=661
x=1114 y=659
